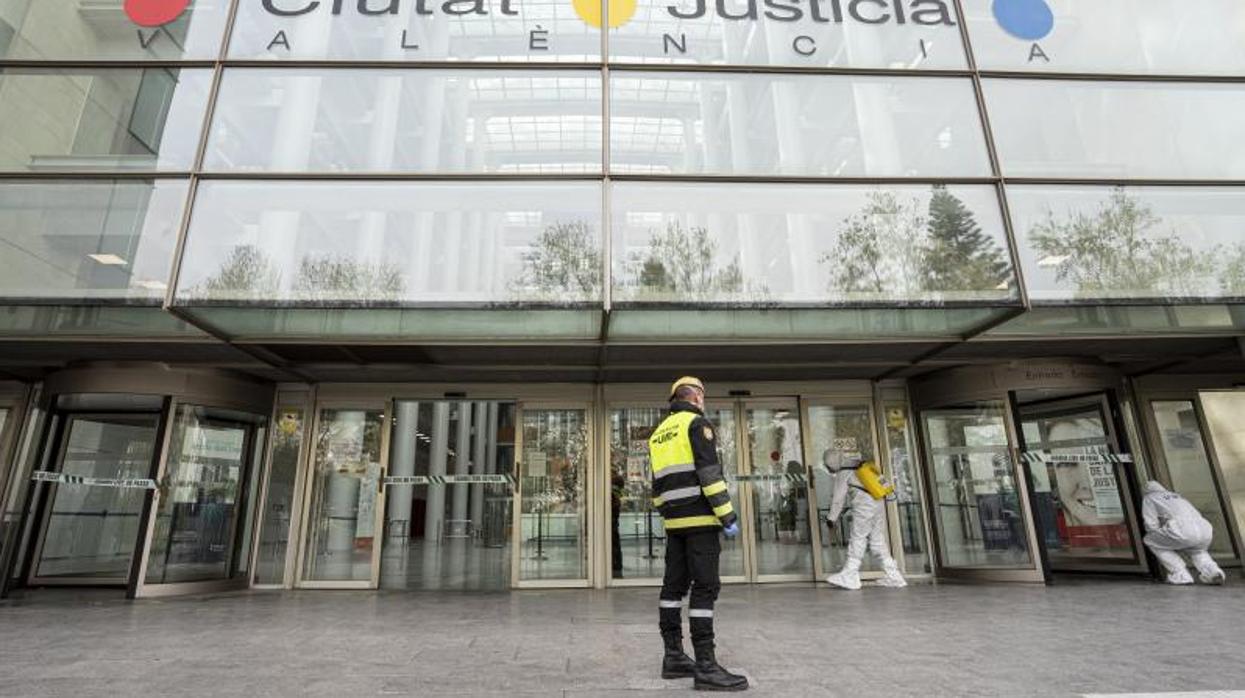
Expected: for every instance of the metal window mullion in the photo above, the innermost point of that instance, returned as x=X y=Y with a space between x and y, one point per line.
x=992 y=151
x=197 y=167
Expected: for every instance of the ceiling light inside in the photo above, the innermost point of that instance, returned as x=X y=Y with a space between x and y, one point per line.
x=111 y=260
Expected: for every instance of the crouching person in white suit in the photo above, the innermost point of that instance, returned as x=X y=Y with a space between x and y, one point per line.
x=859 y=486
x=1176 y=527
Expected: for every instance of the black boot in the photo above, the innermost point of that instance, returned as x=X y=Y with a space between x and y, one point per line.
x=676 y=664
x=710 y=676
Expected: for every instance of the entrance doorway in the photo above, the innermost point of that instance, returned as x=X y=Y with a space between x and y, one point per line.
x=153 y=491
x=447 y=494
x=1029 y=472
x=94 y=503
x=761 y=449
x=1083 y=492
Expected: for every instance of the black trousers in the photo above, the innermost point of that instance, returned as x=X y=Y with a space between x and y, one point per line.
x=616 y=541
x=691 y=565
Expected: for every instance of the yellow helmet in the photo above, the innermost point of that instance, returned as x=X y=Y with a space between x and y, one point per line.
x=686 y=380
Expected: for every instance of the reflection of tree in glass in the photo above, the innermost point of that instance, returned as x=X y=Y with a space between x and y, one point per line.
x=881 y=249
x=683 y=263
x=892 y=248
x=247 y=272
x=564 y=262
x=960 y=257
x=337 y=278
x=1116 y=249
x=1232 y=277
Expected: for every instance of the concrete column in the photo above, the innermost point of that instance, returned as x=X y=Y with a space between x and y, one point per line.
x=490 y=458
x=434 y=516
x=481 y=443
x=462 y=460
x=395 y=562
x=342 y=509
x=403 y=463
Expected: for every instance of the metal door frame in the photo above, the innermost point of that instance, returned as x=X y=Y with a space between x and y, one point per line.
x=748 y=527
x=1158 y=457
x=1101 y=400
x=1034 y=573
x=591 y=534
x=45 y=494
x=140 y=587
x=451 y=399
x=608 y=408
x=366 y=404
x=893 y=534
x=18 y=403
x=305 y=404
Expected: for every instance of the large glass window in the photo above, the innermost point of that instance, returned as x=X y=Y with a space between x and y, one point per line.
x=432 y=243
x=825 y=126
x=822 y=33
x=95 y=29
x=88 y=239
x=407 y=121
x=1092 y=242
x=106 y=119
x=428 y=30
x=1115 y=130
x=1109 y=36
x=814 y=244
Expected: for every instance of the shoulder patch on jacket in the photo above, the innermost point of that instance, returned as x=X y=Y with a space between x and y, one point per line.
x=708 y=432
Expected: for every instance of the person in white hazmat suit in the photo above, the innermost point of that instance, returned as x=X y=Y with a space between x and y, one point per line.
x=858 y=485
x=1176 y=527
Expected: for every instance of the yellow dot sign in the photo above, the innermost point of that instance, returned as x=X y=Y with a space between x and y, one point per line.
x=590 y=11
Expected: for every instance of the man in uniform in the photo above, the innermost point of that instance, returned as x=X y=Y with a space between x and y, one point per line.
x=691 y=495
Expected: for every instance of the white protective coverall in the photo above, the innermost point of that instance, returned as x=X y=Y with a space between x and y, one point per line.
x=1175 y=527
x=868 y=528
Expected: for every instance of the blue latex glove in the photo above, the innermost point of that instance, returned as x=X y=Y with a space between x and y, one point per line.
x=731 y=531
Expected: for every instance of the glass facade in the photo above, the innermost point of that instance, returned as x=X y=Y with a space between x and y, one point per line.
x=484 y=155
x=506 y=172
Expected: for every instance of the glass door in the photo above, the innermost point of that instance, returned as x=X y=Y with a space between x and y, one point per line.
x=777 y=526
x=449 y=494
x=207 y=496
x=839 y=431
x=551 y=510
x=344 y=500
x=1081 y=490
x=1176 y=433
x=978 y=498
x=637 y=537
x=97 y=490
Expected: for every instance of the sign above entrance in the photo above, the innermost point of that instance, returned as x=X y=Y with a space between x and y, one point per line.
x=897 y=34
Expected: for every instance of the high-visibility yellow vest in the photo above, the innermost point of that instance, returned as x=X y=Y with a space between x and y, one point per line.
x=673 y=467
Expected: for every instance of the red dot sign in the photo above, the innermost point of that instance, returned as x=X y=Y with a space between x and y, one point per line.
x=154 y=13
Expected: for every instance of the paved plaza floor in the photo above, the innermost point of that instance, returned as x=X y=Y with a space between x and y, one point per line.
x=1083 y=637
